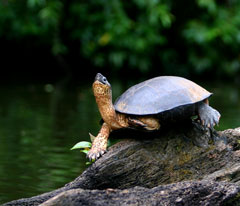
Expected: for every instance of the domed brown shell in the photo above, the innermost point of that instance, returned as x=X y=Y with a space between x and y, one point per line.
x=160 y=94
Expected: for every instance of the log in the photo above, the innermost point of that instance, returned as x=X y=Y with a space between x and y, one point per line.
x=182 y=193
x=184 y=165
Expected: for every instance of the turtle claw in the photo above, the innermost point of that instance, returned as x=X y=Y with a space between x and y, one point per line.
x=209 y=117
x=94 y=155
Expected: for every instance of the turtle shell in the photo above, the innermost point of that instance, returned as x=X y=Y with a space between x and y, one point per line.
x=160 y=94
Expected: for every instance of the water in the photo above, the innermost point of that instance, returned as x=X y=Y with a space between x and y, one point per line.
x=40 y=123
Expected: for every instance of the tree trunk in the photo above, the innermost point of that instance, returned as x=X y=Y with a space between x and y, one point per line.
x=187 y=165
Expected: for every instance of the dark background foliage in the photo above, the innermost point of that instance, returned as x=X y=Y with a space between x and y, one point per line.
x=49 y=39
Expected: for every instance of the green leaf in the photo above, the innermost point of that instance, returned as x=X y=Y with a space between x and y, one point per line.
x=82 y=145
x=85 y=151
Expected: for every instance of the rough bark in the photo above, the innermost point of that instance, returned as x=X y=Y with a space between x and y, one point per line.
x=180 y=166
x=182 y=193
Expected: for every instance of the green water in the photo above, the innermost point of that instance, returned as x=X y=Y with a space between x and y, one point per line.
x=40 y=123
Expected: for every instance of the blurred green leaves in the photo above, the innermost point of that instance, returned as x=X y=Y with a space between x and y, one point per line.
x=196 y=36
x=118 y=33
x=214 y=37
x=38 y=18
x=35 y=3
x=210 y=5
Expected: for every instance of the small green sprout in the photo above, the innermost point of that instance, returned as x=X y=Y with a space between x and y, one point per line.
x=85 y=146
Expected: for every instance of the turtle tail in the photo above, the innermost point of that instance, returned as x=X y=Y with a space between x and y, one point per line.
x=209 y=117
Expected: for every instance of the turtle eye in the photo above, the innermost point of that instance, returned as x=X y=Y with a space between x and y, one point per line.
x=104 y=79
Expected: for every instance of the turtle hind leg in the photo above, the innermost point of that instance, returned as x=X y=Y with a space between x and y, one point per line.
x=209 y=117
x=146 y=122
x=136 y=123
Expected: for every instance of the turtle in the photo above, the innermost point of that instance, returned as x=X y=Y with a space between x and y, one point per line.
x=148 y=105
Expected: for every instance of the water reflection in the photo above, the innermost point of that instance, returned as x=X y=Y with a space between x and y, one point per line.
x=39 y=125
x=37 y=129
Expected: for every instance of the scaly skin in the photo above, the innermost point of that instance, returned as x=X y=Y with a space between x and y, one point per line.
x=99 y=145
x=103 y=97
x=113 y=120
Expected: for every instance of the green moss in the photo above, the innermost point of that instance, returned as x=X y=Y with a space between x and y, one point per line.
x=183 y=173
x=184 y=158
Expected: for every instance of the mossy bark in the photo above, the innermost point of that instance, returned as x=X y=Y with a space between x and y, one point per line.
x=170 y=162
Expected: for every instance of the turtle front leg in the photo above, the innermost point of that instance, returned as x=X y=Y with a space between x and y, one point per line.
x=99 y=146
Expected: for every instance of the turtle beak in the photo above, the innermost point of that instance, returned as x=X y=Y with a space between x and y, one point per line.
x=102 y=79
x=98 y=77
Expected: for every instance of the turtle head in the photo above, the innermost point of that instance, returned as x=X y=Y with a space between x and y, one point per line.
x=101 y=86
x=102 y=79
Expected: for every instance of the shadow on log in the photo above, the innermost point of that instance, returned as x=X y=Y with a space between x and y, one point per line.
x=184 y=166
